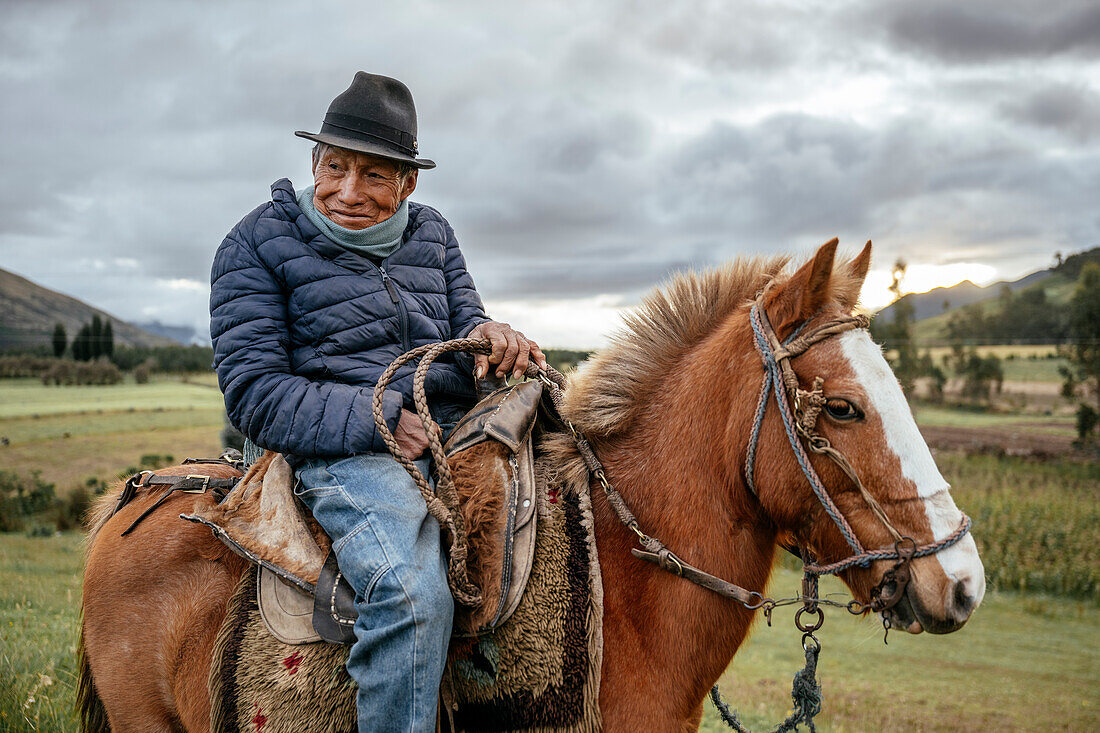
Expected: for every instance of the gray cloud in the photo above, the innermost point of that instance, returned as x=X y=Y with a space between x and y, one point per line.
x=1073 y=111
x=583 y=150
x=989 y=30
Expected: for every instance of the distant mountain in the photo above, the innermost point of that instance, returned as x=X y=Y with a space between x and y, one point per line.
x=29 y=311
x=931 y=305
x=940 y=300
x=180 y=334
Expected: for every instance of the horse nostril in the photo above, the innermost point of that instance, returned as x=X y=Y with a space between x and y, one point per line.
x=962 y=603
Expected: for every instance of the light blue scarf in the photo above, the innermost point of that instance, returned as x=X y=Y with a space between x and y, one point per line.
x=378 y=241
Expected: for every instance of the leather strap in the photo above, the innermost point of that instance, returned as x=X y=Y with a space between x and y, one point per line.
x=666 y=559
x=190 y=484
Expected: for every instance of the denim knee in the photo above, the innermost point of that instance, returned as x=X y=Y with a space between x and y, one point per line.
x=426 y=594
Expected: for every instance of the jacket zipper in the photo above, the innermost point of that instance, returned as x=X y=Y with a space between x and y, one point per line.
x=402 y=312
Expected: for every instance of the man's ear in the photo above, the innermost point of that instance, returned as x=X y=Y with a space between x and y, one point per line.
x=410 y=183
x=803 y=294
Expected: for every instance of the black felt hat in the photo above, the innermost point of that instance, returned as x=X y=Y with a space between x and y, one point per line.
x=375 y=115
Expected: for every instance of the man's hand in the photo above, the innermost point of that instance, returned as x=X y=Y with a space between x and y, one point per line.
x=512 y=351
x=410 y=435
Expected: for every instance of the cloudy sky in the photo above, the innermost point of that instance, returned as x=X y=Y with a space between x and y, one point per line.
x=586 y=150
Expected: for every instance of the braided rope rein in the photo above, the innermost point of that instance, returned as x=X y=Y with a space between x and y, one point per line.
x=442 y=503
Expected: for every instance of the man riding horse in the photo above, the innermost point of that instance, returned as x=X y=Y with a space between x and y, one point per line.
x=312 y=295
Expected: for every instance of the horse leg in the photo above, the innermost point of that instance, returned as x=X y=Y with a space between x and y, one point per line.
x=191 y=643
x=153 y=603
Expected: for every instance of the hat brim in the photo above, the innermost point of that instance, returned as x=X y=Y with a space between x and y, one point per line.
x=363 y=146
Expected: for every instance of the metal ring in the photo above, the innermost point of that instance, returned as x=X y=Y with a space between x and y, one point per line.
x=806 y=629
x=809 y=637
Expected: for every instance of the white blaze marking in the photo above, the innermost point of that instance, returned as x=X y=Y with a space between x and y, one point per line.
x=960 y=561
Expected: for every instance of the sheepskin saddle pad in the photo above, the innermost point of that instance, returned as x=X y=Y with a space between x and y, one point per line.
x=536 y=670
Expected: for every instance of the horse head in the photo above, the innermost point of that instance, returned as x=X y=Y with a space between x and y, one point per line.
x=859 y=411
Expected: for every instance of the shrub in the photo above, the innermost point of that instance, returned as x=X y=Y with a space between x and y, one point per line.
x=99 y=372
x=143 y=370
x=156 y=460
x=172 y=359
x=21 y=498
x=25 y=365
x=71 y=510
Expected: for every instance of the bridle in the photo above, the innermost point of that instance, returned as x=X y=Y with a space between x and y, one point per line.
x=799 y=424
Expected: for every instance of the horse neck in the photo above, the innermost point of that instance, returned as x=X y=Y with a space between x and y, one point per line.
x=678 y=468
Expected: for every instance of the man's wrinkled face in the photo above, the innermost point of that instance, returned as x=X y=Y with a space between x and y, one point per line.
x=357 y=190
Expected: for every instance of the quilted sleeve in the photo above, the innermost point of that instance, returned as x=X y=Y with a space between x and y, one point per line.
x=275 y=408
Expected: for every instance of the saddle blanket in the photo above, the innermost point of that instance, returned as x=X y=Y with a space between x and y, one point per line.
x=539 y=671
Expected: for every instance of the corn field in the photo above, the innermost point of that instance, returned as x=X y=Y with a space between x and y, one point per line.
x=1037 y=524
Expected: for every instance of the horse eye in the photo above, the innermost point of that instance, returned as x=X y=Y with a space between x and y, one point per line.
x=842 y=410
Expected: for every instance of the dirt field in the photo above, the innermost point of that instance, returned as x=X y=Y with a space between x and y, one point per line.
x=1012 y=441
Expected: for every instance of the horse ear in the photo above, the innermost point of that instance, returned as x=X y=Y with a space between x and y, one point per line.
x=849 y=280
x=804 y=293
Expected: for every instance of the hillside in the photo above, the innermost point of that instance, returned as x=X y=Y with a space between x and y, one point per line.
x=29 y=311
x=931 y=316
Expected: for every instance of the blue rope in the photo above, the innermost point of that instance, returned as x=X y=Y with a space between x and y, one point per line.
x=758 y=421
x=754 y=438
x=775 y=380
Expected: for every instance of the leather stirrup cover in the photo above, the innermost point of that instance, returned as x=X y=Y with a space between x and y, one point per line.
x=334 y=611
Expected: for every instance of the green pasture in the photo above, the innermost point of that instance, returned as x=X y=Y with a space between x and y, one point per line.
x=69 y=462
x=29 y=397
x=1020 y=362
x=935 y=416
x=1020 y=664
x=71 y=434
x=1028 y=660
x=1023 y=662
x=64 y=426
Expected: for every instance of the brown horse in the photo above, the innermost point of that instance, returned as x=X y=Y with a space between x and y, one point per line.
x=669 y=408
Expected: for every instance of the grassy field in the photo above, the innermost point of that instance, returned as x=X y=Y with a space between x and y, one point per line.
x=71 y=434
x=1037 y=524
x=958 y=418
x=1026 y=661
x=39 y=608
x=29 y=397
x=1022 y=663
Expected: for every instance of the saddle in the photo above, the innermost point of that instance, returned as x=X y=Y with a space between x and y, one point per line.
x=301 y=594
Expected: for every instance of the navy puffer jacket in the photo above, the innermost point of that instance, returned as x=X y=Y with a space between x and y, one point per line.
x=303 y=328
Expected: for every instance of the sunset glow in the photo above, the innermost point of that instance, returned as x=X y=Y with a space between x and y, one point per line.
x=922 y=278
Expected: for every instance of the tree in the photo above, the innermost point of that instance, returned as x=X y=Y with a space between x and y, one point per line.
x=82 y=346
x=96 y=338
x=1083 y=351
x=899 y=335
x=60 y=340
x=980 y=375
x=108 y=339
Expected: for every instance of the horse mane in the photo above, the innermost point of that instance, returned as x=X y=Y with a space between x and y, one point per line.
x=670 y=321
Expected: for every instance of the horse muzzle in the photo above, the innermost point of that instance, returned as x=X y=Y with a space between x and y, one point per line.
x=937 y=601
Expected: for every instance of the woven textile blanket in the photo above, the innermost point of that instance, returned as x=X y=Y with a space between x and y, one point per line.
x=539 y=671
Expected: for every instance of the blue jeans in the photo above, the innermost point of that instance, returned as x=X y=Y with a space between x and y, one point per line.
x=389 y=548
